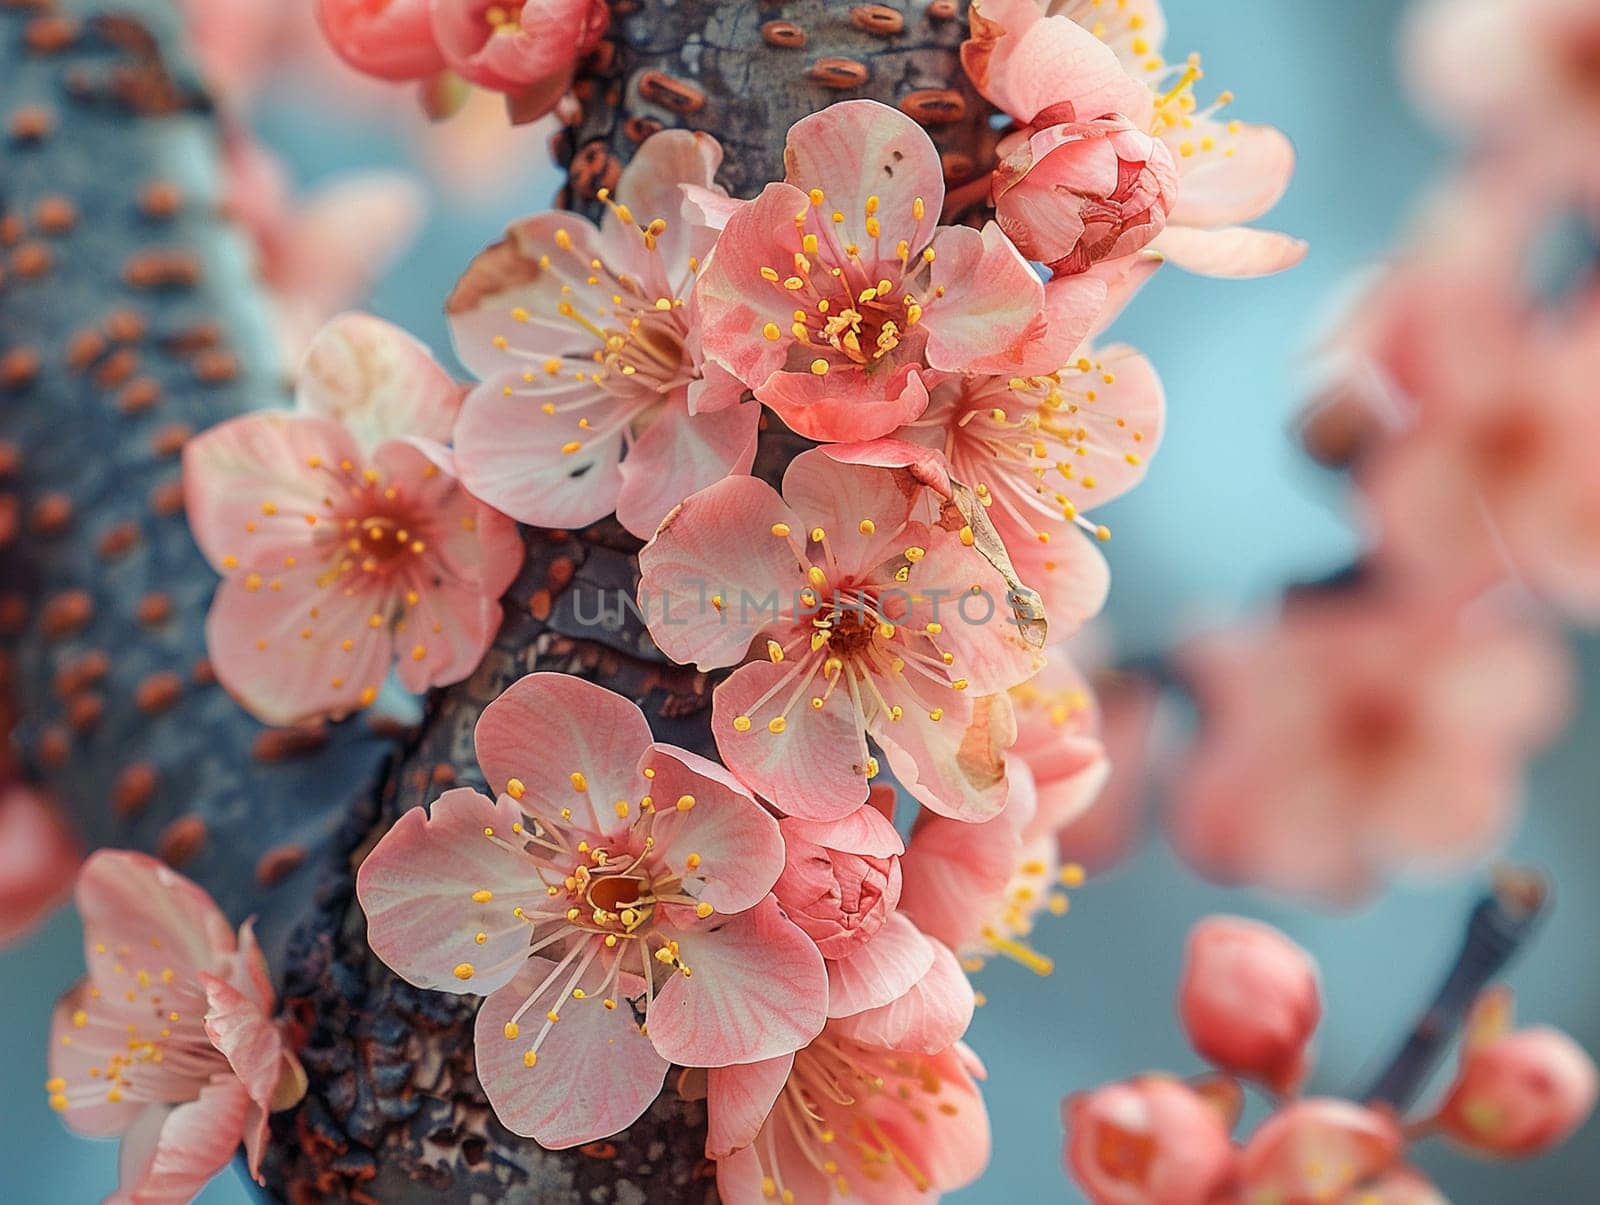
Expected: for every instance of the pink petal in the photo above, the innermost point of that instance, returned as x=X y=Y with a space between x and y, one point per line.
x=865 y=831
x=858 y=149
x=738 y=1101
x=816 y=768
x=256 y=640
x=127 y=898
x=512 y=454
x=1070 y=573
x=956 y=765
x=930 y=1016
x=1244 y=174
x=171 y=1152
x=991 y=298
x=237 y=471
x=954 y=876
x=725 y=1012
x=1233 y=251
x=595 y=1073
x=511 y=275
x=377 y=382
x=1057 y=61
x=718 y=543
x=74 y=1050
x=38 y=860
x=880 y=970
x=248 y=1038
x=838 y=496
x=848 y=403
x=652 y=186
x=417 y=889
x=1123 y=279
x=545 y=728
x=738 y=842
x=681 y=453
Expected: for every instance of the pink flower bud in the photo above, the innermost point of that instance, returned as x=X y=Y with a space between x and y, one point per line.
x=1249 y=1000
x=1153 y=1140
x=529 y=48
x=1074 y=194
x=841 y=879
x=1520 y=1094
x=390 y=39
x=1318 y=1150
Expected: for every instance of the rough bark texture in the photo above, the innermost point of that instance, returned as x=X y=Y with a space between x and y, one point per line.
x=104 y=593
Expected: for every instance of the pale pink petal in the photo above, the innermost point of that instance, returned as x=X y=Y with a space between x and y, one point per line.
x=838 y=497
x=652 y=186
x=954 y=874
x=1060 y=68
x=75 y=1049
x=927 y=1018
x=860 y=149
x=865 y=831
x=1074 y=306
x=815 y=768
x=523 y=272
x=1319 y=1149
x=1233 y=251
x=126 y=899
x=171 y=1152
x=955 y=765
x=989 y=299
x=738 y=1101
x=1242 y=172
x=719 y=544
x=1123 y=279
x=595 y=1073
x=423 y=891
x=256 y=636
x=250 y=1041
x=679 y=454
x=1069 y=572
x=377 y=382
x=739 y=845
x=846 y=404
x=248 y=485
x=521 y=460
x=757 y=990
x=571 y=743
x=880 y=970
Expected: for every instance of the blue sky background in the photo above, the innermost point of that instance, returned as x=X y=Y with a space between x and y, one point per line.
x=1229 y=513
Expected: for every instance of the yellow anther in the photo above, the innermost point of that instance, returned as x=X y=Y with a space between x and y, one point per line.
x=463 y=971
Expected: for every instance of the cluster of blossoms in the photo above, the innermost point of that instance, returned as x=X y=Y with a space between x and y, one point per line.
x=1384 y=724
x=1250 y=1003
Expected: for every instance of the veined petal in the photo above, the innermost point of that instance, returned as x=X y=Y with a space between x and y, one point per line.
x=929 y=1017
x=1231 y=173
x=989 y=298
x=127 y=899
x=1232 y=251
x=879 y=970
x=652 y=186
x=681 y=453
x=377 y=382
x=756 y=989
x=435 y=882
x=955 y=765
x=739 y=1100
x=171 y=1151
x=842 y=498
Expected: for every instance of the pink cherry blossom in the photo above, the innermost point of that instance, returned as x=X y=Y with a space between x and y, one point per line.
x=1083 y=61
x=595 y=397
x=169 y=1041
x=841 y=878
x=345 y=541
x=320 y=253
x=1250 y=1000
x=527 y=48
x=1519 y=1092
x=613 y=903
x=980 y=888
x=867 y=617
x=1074 y=194
x=1361 y=735
x=852 y=1117
x=1153 y=1140
x=838 y=298
x=390 y=39
x=38 y=857
x=1041 y=453
x=1319 y=1150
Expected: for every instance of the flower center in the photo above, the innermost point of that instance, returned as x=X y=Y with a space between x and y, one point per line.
x=504 y=18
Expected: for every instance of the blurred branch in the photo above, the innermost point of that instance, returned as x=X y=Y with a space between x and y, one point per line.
x=1500 y=924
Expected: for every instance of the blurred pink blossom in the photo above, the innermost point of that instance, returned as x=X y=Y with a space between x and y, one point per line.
x=1152 y=1140
x=38 y=857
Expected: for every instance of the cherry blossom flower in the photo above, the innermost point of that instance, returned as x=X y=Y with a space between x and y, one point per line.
x=1152 y=1140
x=1036 y=63
x=169 y=1041
x=320 y=253
x=979 y=888
x=529 y=49
x=344 y=539
x=859 y=297
x=594 y=397
x=1519 y=1092
x=1360 y=735
x=389 y=39
x=613 y=903
x=841 y=878
x=1250 y=1001
x=1319 y=1149
x=38 y=857
x=867 y=621
x=881 y=1108
x=1041 y=452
